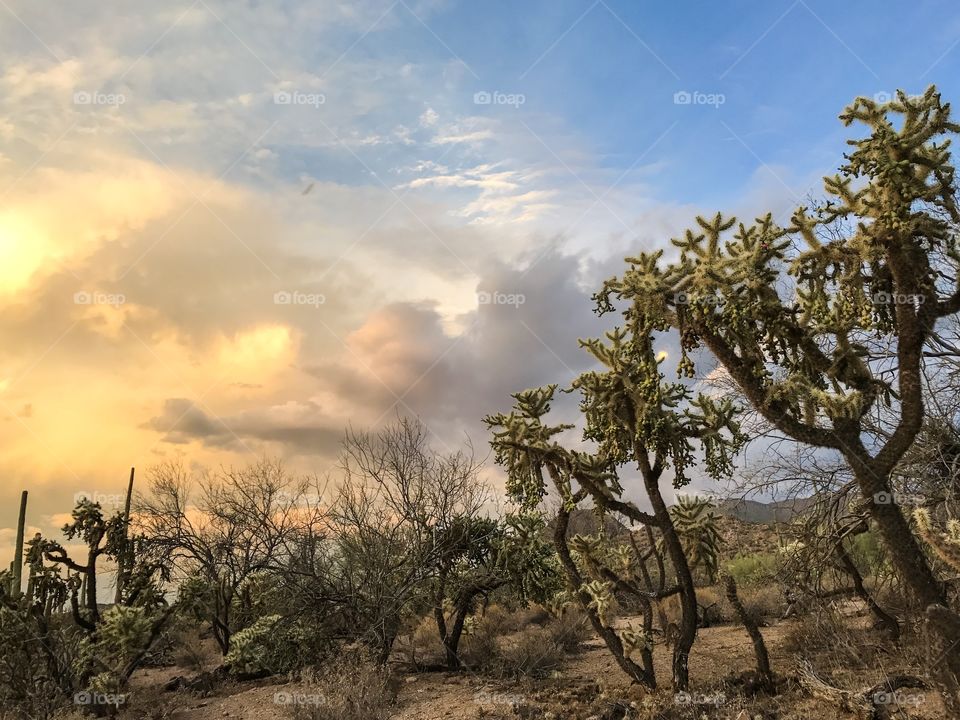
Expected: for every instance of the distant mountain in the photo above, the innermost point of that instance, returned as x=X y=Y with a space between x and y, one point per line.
x=584 y=521
x=752 y=511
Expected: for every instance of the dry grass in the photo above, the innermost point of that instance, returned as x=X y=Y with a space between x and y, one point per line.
x=532 y=653
x=761 y=603
x=479 y=650
x=349 y=688
x=570 y=630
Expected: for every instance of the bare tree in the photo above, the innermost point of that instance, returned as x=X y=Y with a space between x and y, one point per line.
x=221 y=528
x=402 y=516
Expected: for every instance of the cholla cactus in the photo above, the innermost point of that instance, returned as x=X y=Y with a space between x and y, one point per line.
x=790 y=311
x=253 y=650
x=634 y=641
x=696 y=523
x=601 y=599
x=945 y=545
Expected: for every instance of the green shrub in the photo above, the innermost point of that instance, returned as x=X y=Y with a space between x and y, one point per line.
x=754 y=569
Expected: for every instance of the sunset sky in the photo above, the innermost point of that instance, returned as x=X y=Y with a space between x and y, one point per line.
x=229 y=229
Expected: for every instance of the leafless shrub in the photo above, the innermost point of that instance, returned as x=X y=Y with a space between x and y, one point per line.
x=532 y=653
x=348 y=688
x=570 y=630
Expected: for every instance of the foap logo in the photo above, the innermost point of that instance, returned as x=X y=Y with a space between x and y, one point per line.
x=884 y=96
x=89 y=697
x=686 y=698
x=101 y=498
x=898 y=698
x=501 y=298
x=296 y=97
x=85 y=297
x=885 y=298
x=485 y=697
x=890 y=498
x=305 y=499
x=285 y=697
x=684 y=298
x=294 y=297
x=84 y=97
x=499 y=98
x=685 y=97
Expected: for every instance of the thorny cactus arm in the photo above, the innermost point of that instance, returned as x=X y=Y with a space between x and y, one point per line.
x=945 y=545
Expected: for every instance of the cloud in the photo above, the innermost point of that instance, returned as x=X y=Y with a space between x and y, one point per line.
x=294 y=426
x=144 y=244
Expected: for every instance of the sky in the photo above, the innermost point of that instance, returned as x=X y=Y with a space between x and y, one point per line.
x=230 y=229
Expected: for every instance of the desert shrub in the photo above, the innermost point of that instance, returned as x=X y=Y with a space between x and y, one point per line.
x=497 y=615
x=761 y=603
x=570 y=630
x=712 y=606
x=753 y=569
x=351 y=687
x=823 y=629
x=479 y=649
x=534 y=615
x=867 y=552
x=37 y=668
x=532 y=653
x=188 y=650
x=425 y=641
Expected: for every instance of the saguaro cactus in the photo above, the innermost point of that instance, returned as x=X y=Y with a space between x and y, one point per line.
x=16 y=568
x=125 y=561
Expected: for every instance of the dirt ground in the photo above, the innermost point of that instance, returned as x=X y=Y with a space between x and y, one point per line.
x=590 y=687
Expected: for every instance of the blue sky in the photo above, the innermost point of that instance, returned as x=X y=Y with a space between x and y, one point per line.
x=179 y=166
x=606 y=72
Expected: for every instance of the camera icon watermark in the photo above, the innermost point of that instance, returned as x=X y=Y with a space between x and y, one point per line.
x=87 y=297
x=295 y=297
x=499 y=98
x=685 y=298
x=85 y=97
x=686 y=97
x=501 y=298
x=296 y=97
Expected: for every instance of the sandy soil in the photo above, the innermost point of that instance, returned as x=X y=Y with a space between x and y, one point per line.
x=590 y=678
